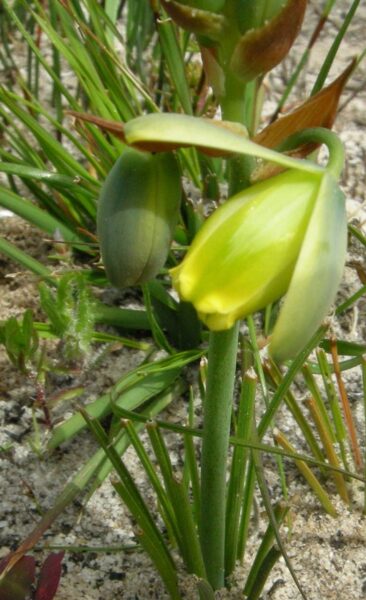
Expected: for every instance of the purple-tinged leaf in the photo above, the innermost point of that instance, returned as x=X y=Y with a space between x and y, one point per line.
x=49 y=577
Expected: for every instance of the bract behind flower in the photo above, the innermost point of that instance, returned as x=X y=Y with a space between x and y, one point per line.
x=317 y=274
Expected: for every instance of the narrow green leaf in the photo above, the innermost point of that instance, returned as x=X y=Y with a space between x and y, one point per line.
x=288 y=379
x=237 y=473
x=291 y=402
x=256 y=579
x=247 y=508
x=357 y=234
x=174 y=59
x=96 y=468
x=132 y=390
x=329 y=447
x=364 y=412
x=259 y=470
x=341 y=434
x=327 y=63
x=26 y=261
x=157 y=332
x=164 y=505
x=316 y=394
x=52 y=179
x=264 y=571
x=141 y=418
x=125 y=318
x=188 y=536
x=37 y=216
x=150 y=410
x=351 y=300
x=150 y=537
x=205 y=590
x=190 y=462
x=306 y=472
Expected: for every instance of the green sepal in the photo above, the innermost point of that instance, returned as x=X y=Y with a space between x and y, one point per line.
x=317 y=274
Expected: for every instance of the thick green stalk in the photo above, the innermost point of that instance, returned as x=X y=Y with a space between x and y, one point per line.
x=216 y=428
x=233 y=102
x=233 y=107
x=223 y=347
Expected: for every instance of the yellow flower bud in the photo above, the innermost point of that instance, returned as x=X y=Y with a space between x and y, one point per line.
x=285 y=234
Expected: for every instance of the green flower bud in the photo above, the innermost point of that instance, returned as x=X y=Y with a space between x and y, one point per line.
x=137 y=213
x=285 y=234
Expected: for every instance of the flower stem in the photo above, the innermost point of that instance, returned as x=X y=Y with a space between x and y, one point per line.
x=319 y=135
x=216 y=428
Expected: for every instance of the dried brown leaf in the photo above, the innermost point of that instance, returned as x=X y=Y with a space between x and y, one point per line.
x=113 y=127
x=260 y=50
x=318 y=111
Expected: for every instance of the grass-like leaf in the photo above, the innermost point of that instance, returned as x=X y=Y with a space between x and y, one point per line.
x=130 y=391
x=26 y=261
x=150 y=537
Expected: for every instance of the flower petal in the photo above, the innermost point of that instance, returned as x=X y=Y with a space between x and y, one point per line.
x=244 y=256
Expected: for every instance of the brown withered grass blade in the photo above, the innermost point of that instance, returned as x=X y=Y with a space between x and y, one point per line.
x=348 y=417
x=113 y=127
x=318 y=111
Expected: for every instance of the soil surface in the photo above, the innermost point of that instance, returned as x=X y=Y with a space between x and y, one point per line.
x=328 y=554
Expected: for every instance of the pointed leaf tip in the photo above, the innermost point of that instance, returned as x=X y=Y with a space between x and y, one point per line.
x=319 y=110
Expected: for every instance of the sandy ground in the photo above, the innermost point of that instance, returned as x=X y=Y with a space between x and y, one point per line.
x=328 y=554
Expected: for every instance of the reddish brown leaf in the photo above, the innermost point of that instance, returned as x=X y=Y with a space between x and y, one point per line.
x=259 y=50
x=113 y=127
x=318 y=111
x=49 y=577
x=16 y=584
